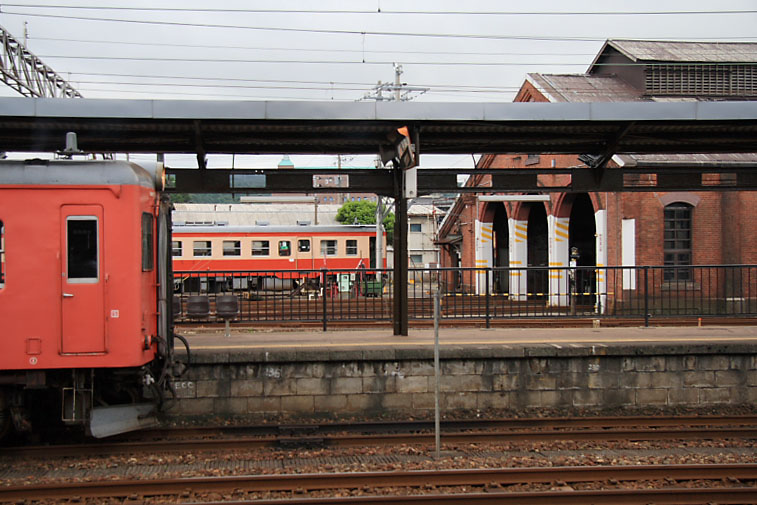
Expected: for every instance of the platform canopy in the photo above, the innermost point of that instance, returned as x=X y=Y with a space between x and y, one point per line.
x=257 y=127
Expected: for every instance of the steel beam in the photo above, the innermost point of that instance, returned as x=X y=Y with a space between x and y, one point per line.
x=400 y=302
x=27 y=74
x=171 y=126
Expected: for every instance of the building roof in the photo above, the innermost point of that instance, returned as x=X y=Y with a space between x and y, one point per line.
x=583 y=88
x=648 y=160
x=422 y=209
x=250 y=214
x=340 y=228
x=671 y=51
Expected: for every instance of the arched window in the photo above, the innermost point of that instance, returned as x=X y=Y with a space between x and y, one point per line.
x=677 y=245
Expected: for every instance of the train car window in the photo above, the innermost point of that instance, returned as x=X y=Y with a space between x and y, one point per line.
x=82 y=249
x=285 y=248
x=177 y=248
x=328 y=247
x=351 y=248
x=232 y=248
x=2 y=255
x=148 y=258
x=261 y=248
x=303 y=245
x=202 y=248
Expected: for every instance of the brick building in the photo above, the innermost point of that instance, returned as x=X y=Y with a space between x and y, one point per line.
x=674 y=229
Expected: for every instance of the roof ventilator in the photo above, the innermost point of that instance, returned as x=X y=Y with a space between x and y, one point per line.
x=72 y=146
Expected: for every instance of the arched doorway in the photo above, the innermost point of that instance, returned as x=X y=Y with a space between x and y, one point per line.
x=501 y=250
x=583 y=236
x=537 y=251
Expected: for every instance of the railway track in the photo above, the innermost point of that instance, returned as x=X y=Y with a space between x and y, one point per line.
x=601 y=484
x=409 y=433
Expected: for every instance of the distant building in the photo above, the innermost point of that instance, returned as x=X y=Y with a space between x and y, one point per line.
x=254 y=214
x=674 y=229
x=423 y=217
x=330 y=180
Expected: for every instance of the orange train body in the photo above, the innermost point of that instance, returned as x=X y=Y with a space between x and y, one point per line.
x=272 y=248
x=79 y=284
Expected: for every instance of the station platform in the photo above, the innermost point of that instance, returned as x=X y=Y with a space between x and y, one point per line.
x=210 y=339
x=369 y=372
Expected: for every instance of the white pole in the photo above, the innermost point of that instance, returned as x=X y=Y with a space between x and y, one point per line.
x=437 y=315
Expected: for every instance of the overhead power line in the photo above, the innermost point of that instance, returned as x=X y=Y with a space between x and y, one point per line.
x=470 y=36
x=287 y=81
x=387 y=62
x=305 y=49
x=382 y=11
x=299 y=62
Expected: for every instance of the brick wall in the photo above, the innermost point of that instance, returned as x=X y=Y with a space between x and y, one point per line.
x=401 y=381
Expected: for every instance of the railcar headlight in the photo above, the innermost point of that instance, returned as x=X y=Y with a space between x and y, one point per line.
x=160 y=176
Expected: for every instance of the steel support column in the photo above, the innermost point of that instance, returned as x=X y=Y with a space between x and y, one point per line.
x=400 y=312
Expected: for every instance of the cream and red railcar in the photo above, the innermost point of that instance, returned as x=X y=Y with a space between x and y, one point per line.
x=261 y=252
x=86 y=330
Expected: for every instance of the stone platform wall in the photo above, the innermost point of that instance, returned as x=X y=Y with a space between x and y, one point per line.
x=366 y=383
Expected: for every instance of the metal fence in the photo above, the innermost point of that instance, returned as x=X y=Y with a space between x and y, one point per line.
x=487 y=294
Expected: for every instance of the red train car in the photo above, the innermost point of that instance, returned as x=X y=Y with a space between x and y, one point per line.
x=85 y=271
x=244 y=248
x=269 y=258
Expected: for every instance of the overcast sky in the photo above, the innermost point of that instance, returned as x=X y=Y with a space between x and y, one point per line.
x=339 y=50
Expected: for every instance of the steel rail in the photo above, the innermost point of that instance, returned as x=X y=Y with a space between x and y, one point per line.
x=359 y=480
x=673 y=496
x=555 y=423
x=361 y=440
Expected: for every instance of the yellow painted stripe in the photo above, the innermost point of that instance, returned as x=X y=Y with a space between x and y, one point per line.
x=559 y=240
x=561 y=234
x=563 y=226
x=556 y=263
x=521 y=228
x=516 y=262
x=521 y=235
x=485 y=235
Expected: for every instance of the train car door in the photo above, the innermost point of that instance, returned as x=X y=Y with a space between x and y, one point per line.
x=305 y=257
x=82 y=286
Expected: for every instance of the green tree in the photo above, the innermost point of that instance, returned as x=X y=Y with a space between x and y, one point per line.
x=364 y=212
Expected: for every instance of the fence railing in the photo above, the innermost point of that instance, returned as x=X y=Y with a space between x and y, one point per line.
x=327 y=295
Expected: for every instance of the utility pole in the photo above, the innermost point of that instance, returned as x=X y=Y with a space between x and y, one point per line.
x=404 y=159
x=398 y=91
x=397 y=83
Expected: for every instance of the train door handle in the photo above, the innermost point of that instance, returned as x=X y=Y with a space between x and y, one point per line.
x=68 y=295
